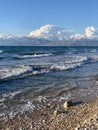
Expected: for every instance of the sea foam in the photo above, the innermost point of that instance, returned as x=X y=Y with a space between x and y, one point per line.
x=14 y=71
x=33 y=56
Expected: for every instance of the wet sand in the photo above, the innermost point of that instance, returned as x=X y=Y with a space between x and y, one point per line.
x=83 y=116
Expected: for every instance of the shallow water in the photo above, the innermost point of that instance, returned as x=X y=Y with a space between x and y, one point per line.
x=29 y=75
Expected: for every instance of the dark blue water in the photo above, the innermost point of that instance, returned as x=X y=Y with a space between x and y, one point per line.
x=32 y=73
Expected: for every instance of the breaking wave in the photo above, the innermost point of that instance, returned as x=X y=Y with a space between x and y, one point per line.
x=27 y=70
x=32 y=56
x=21 y=71
x=69 y=64
x=14 y=71
x=64 y=66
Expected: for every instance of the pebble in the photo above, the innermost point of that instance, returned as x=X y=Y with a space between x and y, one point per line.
x=67 y=104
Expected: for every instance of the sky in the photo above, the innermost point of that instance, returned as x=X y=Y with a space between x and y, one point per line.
x=23 y=16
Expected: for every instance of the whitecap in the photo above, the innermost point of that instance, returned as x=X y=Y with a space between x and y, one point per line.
x=93 y=50
x=72 y=62
x=14 y=71
x=76 y=59
x=64 y=66
x=33 y=56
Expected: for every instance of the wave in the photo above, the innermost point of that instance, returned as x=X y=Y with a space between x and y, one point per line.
x=72 y=63
x=65 y=66
x=76 y=59
x=18 y=71
x=94 y=58
x=14 y=71
x=93 y=50
x=33 y=56
x=10 y=95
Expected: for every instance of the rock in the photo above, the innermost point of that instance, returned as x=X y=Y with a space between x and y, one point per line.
x=57 y=111
x=67 y=104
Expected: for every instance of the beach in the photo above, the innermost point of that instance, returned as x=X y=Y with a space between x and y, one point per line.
x=80 y=116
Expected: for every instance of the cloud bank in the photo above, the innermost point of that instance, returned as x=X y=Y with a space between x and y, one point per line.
x=52 y=35
x=51 y=32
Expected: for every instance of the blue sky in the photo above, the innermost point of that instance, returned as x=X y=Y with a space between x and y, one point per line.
x=23 y=16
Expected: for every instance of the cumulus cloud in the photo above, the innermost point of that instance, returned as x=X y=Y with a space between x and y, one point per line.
x=77 y=36
x=91 y=32
x=51 y=32
x=48 y=34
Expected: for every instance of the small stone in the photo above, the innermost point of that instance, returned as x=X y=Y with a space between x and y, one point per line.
x=67 y=104
x=44 y=121
x=57 y=111
x=48 y=105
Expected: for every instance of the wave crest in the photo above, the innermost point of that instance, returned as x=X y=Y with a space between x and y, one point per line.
x=14 y=71
x=33 y=56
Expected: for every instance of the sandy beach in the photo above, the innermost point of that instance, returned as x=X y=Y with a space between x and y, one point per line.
x=83 y=116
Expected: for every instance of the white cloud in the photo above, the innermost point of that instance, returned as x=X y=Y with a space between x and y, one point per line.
x=89 y=31
x=48 y=33
x=51 y=32
x=77 y=36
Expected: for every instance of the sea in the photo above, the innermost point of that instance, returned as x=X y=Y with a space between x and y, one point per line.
x=29 y=75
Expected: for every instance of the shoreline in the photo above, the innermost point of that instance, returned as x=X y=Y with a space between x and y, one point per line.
x=76 y=117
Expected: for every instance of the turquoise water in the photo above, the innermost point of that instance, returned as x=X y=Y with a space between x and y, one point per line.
x=29 y=74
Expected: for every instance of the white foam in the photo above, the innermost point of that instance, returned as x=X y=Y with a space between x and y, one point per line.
x=2 y=100
x=42 y=71
x=28 y=106
x=60 y=64
x=76 y=59
x=94 y=57
x=11 y=94
x=64 y=66
x=71 y=62
x=14 y=71
x=93 y=50
x=33 y=56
